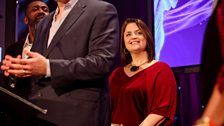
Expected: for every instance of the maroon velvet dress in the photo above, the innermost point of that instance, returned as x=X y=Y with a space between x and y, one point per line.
x=152 y=90
x=220 y=24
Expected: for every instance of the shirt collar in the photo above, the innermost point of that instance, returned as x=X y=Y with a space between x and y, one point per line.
x=27 y=42
x=68 y=5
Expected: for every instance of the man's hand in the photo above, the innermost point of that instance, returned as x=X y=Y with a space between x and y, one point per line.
x=6 y=63
x=34 y=66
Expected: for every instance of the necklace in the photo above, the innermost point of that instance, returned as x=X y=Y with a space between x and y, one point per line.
x=135 y=68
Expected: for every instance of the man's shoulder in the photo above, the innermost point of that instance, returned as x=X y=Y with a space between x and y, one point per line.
x=98 y=4
x=16 y=44
x=15 y=47
x=98 y=7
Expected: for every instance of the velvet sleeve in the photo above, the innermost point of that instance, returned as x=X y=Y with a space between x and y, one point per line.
x=164 y=93
x=220 y=79
x=220 y=24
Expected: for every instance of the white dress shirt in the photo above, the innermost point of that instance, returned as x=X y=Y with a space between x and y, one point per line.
x=27 y=45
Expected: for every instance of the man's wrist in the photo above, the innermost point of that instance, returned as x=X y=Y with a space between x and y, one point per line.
x=48 y=70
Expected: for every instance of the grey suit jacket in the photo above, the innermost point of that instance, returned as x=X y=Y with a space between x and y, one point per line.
x=81 y=54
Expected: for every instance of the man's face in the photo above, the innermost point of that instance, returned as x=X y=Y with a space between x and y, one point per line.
x=35 y=12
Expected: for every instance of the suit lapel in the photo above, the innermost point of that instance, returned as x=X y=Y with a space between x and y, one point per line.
x=72 y=17
x=40 y=44
x=46 y=34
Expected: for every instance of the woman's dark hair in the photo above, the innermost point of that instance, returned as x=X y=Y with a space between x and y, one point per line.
x=150 y=48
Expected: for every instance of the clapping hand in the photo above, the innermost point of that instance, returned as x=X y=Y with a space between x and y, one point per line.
x=34 y=66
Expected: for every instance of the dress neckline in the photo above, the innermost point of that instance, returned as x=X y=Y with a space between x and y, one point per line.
x=142 y=71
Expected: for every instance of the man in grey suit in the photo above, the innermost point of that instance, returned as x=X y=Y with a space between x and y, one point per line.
x=73 y=53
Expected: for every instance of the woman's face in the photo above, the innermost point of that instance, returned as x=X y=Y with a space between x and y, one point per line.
x=134 y=39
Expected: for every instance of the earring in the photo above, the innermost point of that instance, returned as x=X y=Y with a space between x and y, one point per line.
x=126 y=51
x=147 y=47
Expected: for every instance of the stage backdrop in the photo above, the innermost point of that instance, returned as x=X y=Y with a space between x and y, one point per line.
x=179 y=30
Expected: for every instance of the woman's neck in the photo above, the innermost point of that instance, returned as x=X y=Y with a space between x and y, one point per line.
x=139 y=58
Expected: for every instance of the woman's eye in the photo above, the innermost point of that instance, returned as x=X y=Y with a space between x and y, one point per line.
x=128 y=34
x=139 y=33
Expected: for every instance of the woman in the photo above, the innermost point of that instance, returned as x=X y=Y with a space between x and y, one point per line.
x=143 y=91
